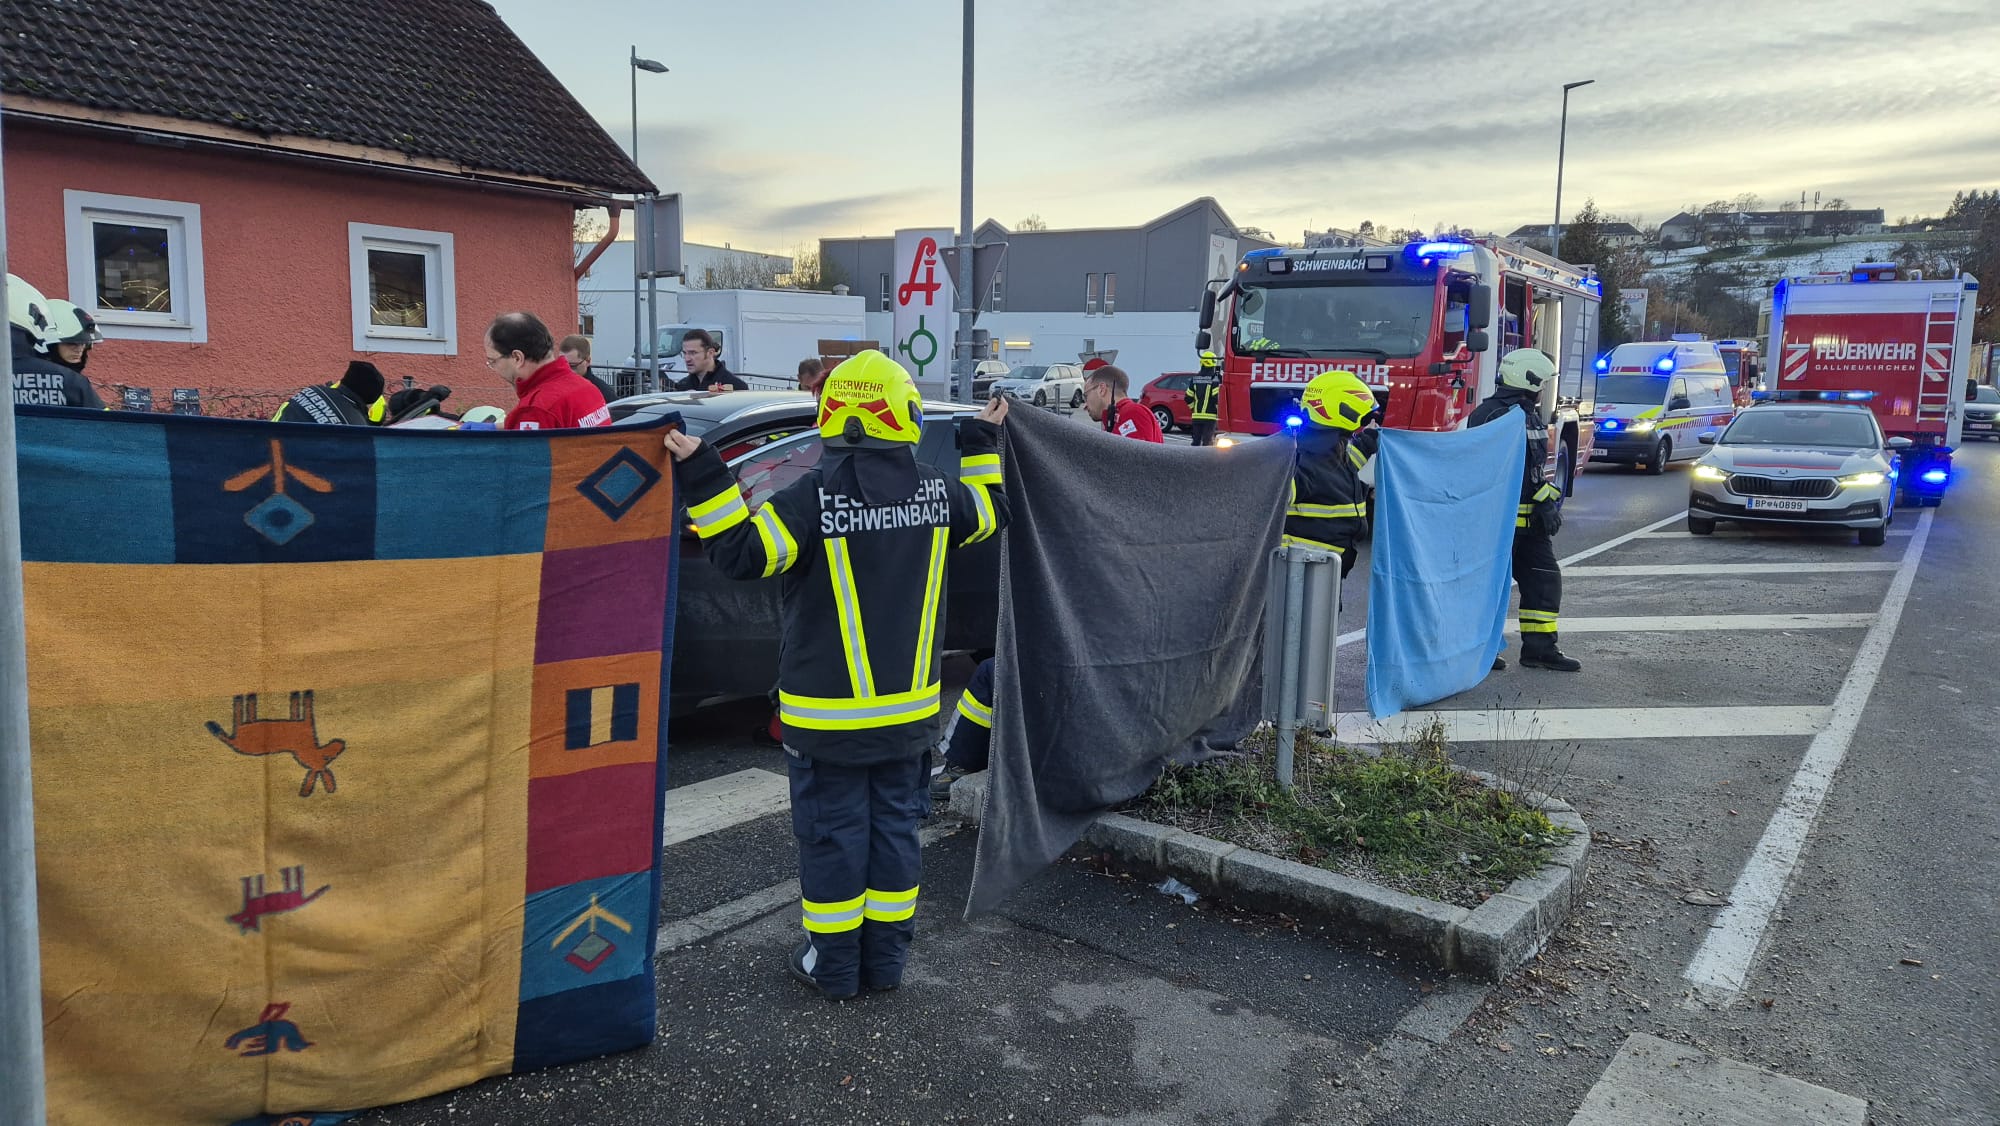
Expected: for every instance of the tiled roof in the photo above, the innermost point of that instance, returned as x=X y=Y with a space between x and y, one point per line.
x=439 y=79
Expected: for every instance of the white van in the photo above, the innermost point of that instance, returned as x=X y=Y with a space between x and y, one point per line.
x=1654 y=398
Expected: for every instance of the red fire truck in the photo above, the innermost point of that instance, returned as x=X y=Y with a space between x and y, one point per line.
x=1424 y=324
x=1899 y=342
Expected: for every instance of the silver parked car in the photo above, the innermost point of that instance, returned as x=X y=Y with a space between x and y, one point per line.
x=1045 y=385
x=1813 y=463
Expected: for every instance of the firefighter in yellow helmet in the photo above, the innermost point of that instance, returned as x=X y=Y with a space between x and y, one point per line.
x=1522 y=375
x=859 y=546
x=1204 y=392
x=1329 y=504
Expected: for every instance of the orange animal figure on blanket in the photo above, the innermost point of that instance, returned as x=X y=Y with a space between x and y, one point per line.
x=296 y=737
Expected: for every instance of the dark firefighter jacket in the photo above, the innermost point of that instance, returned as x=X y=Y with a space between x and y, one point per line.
x=1202 y=392
x=331 y=405
x=1329 y=504
x=1538 y=496
x=863 y=589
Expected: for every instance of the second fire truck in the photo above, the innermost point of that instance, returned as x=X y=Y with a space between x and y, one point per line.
x=1424 y=324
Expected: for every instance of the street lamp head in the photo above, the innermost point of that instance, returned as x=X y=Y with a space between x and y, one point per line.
x=649 y=65
x=1568 y=86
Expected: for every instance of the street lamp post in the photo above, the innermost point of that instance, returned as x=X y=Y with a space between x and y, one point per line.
x=1562 y=140
x=643 y=229
x=962 y=350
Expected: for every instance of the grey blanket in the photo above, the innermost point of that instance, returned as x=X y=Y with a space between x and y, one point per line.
x=1131 y=601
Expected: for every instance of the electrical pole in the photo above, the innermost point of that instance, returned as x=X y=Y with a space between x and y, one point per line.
x=962 y=351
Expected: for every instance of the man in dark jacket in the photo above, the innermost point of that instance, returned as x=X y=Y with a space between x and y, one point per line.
x=1523 y=372
x=355 y=399
x=706 y=371
x=860 y=541
x=576 y=349
x=39 y=380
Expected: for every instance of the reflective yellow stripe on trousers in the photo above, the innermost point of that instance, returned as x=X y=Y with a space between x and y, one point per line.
x=1538 y=621
x=970 y=707
x=1326 y=511
x=890 y=906
x=832 y=918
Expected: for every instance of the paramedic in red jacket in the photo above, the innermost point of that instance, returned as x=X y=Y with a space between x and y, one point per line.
x=1104 y=396
x=520 y=350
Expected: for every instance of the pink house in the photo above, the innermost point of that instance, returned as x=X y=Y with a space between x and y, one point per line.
x=249 y=194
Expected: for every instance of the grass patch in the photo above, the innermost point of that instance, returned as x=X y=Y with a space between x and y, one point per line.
x=1407 y=818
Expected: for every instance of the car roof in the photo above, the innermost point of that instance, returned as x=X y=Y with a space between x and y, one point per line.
x=741 y=406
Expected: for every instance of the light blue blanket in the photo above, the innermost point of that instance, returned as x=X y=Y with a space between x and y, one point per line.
x=1441 y=560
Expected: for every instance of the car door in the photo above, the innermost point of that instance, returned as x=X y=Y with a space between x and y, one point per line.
x=1717 y=408
x=726 y=631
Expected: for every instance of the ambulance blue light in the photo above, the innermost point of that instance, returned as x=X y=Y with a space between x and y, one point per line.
x=1604 y=363
x=1611 y=424
x=1439 y=249
x=1935 y=476
x=1666 y=364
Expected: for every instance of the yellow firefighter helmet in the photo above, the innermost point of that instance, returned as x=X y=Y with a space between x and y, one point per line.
x=869 y=400
x=1338 y=400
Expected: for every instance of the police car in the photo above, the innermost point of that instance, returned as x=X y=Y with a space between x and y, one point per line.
x=1822 y=463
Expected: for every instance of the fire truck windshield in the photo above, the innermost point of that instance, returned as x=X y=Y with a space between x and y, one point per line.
x=1380 y=318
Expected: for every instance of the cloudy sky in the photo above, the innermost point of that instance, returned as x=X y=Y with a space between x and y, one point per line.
x=787 y=120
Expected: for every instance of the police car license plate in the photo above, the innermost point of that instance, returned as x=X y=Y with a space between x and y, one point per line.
x=1971 y=425
x=1774 y=504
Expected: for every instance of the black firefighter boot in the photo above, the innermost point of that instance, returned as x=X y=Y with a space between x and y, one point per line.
x=1538 y=651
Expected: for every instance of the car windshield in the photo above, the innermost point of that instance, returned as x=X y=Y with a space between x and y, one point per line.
x=1030 y=373
x=1389 y=319
x=1641 y=356
x=1632 y=390
x=1987 y=395
x=1765 y=426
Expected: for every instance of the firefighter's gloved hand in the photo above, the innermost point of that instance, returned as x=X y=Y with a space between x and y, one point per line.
x=1547 y=517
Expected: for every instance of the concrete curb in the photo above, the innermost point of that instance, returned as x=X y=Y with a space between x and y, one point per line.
x=1488 y=942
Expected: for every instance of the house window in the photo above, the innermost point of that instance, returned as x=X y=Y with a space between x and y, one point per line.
x=996 y=297
x=402 y=290
x=885 y=294
x=136 y=264
x=1089 y=295
x=589 y=325
x=1110 y=293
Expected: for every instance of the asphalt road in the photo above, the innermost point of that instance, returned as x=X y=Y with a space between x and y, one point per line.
x=1093 y=998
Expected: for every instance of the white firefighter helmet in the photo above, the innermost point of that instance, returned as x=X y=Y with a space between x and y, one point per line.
x=28 y=311
x=1526 y=369
x=72 y=324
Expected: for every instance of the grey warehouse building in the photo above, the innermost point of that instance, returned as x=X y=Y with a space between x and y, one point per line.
x=1156 y=267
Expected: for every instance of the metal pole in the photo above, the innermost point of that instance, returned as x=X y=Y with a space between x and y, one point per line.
x=652 y=293
x=1562 y=141
x=962 y=348
x=1288 y=676
x=21 y=1097
x=633 y=68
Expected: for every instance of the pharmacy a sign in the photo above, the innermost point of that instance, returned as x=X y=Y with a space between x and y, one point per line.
x=924 y=309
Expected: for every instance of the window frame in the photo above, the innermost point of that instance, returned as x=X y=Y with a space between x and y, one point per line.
x=440 y=290
x=1110 y=294
x=887 y=304
x=187 y=323
x=1090 y=295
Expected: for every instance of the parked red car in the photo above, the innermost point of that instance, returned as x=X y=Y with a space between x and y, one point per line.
x=1166 y=397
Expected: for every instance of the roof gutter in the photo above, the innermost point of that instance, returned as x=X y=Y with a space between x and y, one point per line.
x=603 y=244
x=173 y=134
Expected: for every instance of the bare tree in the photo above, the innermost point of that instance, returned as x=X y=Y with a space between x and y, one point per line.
x=1033 y=222
x=1748 y=201
x=811 y=271
x=740 y=270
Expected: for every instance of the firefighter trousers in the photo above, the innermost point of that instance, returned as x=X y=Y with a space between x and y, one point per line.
x=1202 y=432
x=1541 y=583
x=972 y=727
x=859 y=865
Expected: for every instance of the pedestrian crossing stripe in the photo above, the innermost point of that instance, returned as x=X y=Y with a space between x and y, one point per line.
x=606 y=714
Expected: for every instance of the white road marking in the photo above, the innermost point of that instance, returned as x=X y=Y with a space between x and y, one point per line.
x=1703 y=623
x=1473 y=725
x=1722 y=965
x=756 y=905
x=1354 y=635
x=1654 y=1082
x=714 y=804
x=1720 y=570
x=1684 y=534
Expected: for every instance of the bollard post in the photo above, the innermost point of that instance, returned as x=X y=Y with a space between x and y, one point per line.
x=1288 y=677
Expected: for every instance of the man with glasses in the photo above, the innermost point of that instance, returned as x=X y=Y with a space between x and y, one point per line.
x=520 y=350
x=706 y=371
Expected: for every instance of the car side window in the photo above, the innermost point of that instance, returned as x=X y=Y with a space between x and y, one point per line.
x=777 y=464
x=1678 y=389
